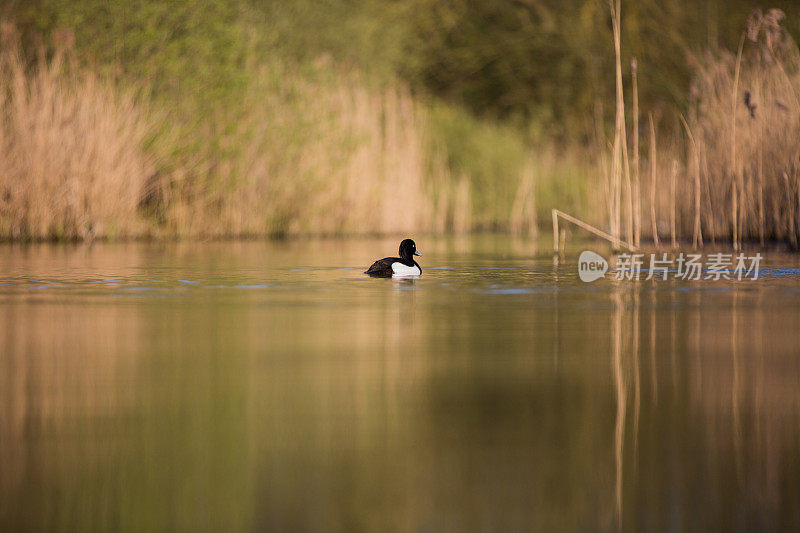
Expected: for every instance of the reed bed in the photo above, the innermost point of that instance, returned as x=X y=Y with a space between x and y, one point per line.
x=83 y=159
x=345 y=159
x=310 y=150
x=745 y=137
x=733 y=176
x=318 y=149
x=71 y=156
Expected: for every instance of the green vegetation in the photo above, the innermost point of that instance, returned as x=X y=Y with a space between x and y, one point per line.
x=262 y=117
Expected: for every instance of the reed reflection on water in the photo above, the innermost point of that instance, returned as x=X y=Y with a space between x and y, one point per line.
x=240 y=386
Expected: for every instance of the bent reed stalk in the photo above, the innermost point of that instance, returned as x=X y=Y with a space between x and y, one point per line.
x=558 y=236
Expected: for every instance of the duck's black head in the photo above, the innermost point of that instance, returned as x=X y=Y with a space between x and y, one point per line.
x=407 y=249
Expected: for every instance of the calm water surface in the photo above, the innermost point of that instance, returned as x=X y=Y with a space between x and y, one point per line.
x=273 y=387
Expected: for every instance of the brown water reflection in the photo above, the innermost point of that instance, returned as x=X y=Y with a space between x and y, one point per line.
x=253 y=386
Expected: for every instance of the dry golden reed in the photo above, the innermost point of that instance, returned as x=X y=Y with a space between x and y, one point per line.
x=306 y=157
x=745 y=140
x=342 y=159
x=317 y=150
x=71 y=157
x=734 y=175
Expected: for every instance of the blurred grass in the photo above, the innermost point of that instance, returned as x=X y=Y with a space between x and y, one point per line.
x=255 y=122
x=491 y=156
x=263 y=117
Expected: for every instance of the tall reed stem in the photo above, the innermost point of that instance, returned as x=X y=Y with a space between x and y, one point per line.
x=637 y=212
x=653 y=219
x=760 y=191
x=672 y=192
x=734 y=166
x=697 y=234
x=620 y=141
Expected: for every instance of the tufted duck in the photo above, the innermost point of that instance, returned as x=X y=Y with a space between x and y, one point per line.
x=397 y=266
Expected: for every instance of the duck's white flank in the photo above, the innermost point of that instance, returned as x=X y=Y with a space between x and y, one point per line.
x=399 y=269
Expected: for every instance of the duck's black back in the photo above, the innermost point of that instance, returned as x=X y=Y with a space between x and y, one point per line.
x=382 y=268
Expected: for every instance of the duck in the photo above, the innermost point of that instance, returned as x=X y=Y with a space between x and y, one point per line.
x=398 y=266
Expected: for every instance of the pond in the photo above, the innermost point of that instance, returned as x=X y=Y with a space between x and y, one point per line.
x=271 y=386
